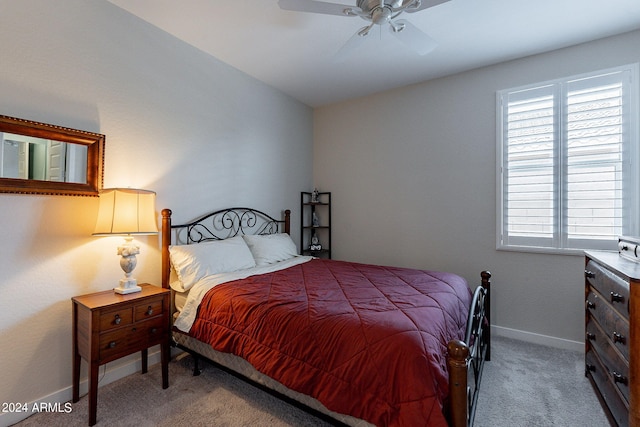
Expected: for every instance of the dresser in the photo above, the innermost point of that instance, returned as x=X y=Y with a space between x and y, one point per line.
x=108 y=326
x=612 y=335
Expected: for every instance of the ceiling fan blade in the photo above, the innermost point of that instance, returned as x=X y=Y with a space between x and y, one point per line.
x=351 y=45
x=421 y=5
x=412 y=36
x=318 y=7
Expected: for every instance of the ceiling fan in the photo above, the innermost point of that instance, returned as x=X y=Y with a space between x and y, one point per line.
x=377 y=12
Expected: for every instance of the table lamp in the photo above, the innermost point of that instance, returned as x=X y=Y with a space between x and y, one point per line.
x=126 y=211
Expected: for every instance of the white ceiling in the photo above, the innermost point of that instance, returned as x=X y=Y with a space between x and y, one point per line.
x=294 y=51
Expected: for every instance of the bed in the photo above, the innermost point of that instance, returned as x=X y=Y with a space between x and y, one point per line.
x=356 y=344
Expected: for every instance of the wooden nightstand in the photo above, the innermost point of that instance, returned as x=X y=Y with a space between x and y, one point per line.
x=108 y=326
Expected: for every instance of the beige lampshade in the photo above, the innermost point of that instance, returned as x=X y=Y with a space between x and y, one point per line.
x=126 y=211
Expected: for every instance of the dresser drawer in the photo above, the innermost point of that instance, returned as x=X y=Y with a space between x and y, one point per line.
x=148 y=309
x=614 y=326
x=616 y=367
x=610 y=285
x=116 y=318
x=135 y=336
x=615 y=402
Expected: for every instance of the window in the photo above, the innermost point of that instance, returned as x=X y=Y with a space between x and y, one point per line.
x=567 y=163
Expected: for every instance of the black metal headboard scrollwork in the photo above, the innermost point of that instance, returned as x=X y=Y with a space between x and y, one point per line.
x=218 y=225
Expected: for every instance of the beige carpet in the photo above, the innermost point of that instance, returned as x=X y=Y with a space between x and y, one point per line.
x=524 y=385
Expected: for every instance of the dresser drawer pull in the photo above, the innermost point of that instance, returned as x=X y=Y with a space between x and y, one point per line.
x=112 y=344
x=591 y=305
x=619 y=338
x=589 y=274
x=154 y=330
x=590 y=336
x=150 y=310
x=117 y=319
x=616 y=297
x=619 y=378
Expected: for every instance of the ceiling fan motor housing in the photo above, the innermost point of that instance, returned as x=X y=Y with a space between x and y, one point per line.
x=377 y=11
x=369 y=5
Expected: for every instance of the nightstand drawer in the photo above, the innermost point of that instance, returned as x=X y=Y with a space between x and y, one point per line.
x=148 y=309
x=116 y=318
x=128 y=339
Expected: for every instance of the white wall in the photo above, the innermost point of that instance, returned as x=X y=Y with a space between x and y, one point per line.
x=413 y=176
x=177 y=121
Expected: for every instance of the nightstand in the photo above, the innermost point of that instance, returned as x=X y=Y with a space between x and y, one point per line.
x=108 y=326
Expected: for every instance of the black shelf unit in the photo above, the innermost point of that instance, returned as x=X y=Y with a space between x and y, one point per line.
x=322 y=209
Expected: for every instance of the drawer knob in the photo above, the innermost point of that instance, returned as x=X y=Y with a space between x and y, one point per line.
x=112 y=344
x=591 y=305
x=590 y=336
x=117 y=319
x=616 y=297
x=149 y=311
x=154 y=330
x=619 y=338
x=589 y=274
x=619 y=378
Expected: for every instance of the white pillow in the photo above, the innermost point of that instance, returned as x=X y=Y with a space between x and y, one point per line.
x=270 y=248
x=193 y=262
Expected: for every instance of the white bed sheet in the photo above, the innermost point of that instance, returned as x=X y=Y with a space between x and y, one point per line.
x=187 y=315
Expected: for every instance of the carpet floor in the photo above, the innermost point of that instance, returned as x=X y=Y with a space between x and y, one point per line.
x=523 y=385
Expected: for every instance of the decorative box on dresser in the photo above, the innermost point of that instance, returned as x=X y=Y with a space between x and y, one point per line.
x=612 y=340
x=108 y=326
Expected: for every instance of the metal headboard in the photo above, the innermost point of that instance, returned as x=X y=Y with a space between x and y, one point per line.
x=218 y=225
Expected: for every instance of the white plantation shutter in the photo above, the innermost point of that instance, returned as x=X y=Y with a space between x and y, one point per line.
x=567 y=175
x=530 y=166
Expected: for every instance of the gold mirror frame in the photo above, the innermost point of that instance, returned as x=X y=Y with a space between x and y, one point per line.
x=95 y=159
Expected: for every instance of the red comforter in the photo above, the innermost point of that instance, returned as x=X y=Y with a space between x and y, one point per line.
x=365 y=340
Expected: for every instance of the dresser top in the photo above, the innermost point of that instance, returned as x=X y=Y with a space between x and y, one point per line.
x=614 y=261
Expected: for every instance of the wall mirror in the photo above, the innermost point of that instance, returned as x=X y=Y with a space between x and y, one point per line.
x=39 y=158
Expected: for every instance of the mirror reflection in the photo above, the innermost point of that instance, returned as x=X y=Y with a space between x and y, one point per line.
x=39 y=158
x=28 y=157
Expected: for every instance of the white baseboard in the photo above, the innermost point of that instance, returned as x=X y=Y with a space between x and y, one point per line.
x=537 y=338
x=113 y=372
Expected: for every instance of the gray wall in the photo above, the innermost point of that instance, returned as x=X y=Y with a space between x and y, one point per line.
x=413 y=176
x=177 y=121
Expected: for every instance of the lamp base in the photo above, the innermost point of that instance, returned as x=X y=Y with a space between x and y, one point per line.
x=127 y=286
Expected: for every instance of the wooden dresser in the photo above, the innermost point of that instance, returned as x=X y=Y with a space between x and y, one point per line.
x=612 y=340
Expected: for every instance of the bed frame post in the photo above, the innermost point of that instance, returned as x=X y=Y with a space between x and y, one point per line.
x=287 y=221
x=458 y=396
x=166 y=242
x=486 y=283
